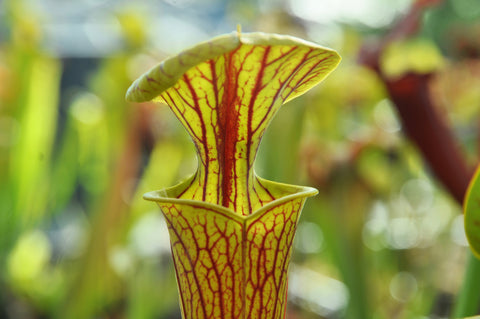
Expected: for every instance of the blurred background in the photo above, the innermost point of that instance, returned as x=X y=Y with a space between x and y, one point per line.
x=383 y=239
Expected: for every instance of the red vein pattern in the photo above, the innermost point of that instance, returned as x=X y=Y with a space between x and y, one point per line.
x=226 y=103
x=231 y=232
x=232 y=267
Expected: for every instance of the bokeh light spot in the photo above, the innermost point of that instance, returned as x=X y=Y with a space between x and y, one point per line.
x=403 y=286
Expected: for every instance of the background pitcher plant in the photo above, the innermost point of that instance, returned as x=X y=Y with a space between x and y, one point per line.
x=231 y=231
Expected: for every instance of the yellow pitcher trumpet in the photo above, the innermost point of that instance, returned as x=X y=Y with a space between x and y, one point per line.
x=231 y=231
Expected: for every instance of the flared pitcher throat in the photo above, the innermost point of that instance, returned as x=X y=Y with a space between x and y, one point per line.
x=231 y=232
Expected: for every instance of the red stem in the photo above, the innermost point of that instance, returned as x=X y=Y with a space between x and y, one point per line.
x=428 y=130
x=418 y=112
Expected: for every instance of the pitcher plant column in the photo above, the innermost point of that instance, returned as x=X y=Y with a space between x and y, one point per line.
x=231 y=231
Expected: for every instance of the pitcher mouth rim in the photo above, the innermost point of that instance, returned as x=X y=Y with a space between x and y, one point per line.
x=161 y=196
x=224 y=44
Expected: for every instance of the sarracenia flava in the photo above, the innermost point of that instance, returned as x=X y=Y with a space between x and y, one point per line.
x=231 y=231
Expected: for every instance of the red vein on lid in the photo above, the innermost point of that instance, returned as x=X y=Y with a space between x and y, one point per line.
x=204 y=139
x=283 y=55
x=283 y=84
x=301 y=81
x=216 y=93
x=256 y=89
x=152 y=80
x=228 y=129
x=162 y=69
x=180 y=114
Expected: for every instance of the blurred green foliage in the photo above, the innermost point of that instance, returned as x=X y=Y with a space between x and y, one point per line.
x=383 y=239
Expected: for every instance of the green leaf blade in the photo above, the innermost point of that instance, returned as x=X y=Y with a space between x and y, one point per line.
x=472 y=214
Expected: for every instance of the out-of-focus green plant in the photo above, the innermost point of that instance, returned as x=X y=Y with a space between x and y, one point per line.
x=30 y=93
x=29 y=110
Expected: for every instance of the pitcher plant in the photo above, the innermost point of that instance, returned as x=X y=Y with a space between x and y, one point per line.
x=231 y=232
